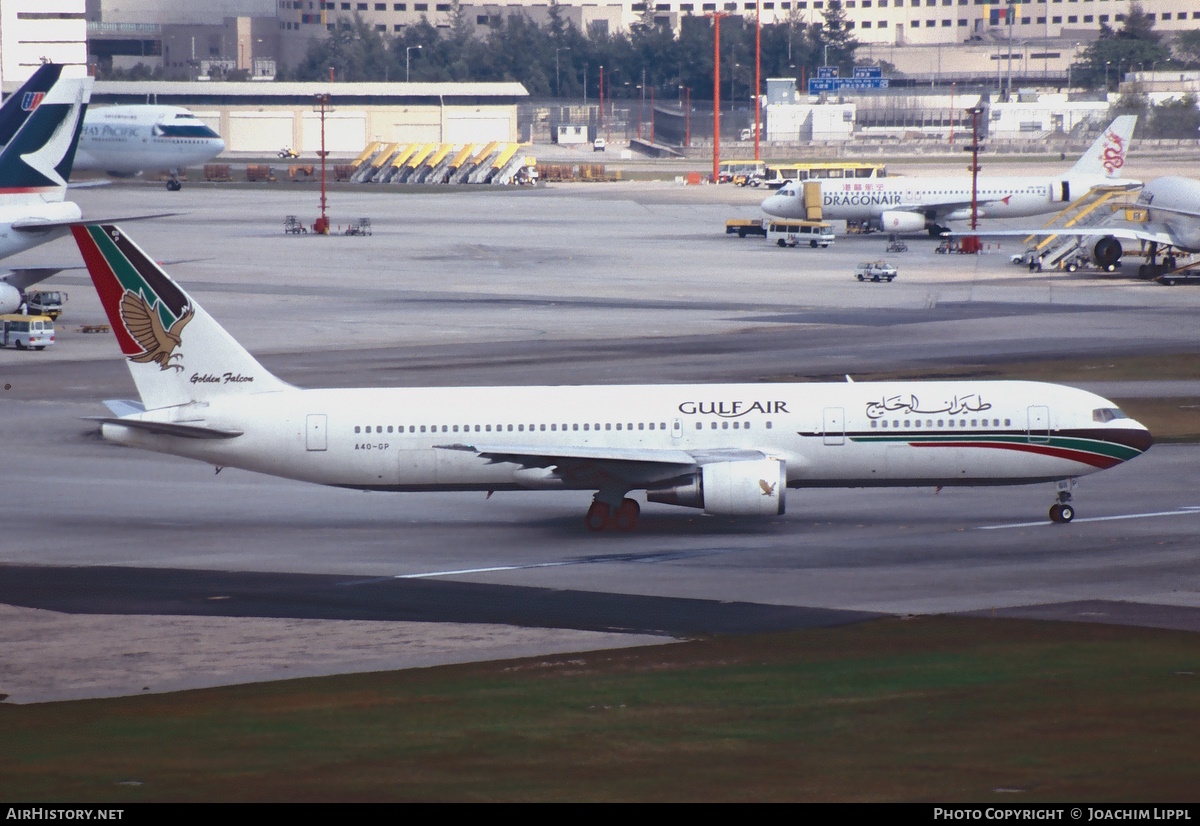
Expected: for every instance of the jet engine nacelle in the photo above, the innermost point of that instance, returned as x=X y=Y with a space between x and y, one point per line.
x=1107 y=252
x=10 y=298
x=895 y=221
x=746 y=488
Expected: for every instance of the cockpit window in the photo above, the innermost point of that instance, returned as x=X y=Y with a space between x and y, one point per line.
x=1107 y=414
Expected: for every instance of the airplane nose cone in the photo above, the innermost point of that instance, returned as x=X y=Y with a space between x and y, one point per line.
x=771 y=204
x=1138 y=439
x=219 y=145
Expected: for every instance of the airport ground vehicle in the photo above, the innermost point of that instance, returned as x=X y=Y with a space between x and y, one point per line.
x=598 y=145
x=45 y=302
x=793 y=233
x=777 y=175
x=741 y=172
x=741 y=227
x=896 y=245
x=26 y=332
x=875 y=271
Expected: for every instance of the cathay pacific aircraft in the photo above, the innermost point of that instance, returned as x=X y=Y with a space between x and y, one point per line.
x=124 y=141
x=913 y=204
x=40 y=123
x=729 y=449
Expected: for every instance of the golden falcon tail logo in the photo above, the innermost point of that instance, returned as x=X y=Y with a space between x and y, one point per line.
x=157 y=342
x=768 y=490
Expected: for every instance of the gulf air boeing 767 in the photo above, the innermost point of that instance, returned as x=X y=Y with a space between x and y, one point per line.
x=729 y=449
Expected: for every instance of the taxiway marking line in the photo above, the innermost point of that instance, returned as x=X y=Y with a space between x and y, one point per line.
x=1187 y=510
x=490 y=570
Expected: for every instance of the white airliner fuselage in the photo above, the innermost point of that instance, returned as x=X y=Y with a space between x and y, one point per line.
x=913 y=204
x=800 y=435
x=128 y=140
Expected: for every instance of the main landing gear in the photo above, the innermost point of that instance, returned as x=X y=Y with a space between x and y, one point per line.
x=173 y=183
x=602 y=516
x=1063 y=511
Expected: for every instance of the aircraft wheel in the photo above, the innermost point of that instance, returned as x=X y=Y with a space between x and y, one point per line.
x=597 y=516
x=174 y=186
x=625 y=517
x=1062 y=513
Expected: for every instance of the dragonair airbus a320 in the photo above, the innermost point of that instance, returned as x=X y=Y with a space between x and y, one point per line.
x=730 y=449
x=913 y=204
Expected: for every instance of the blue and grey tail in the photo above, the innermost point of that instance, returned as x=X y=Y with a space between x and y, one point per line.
x=21 y=104
x=36 y=162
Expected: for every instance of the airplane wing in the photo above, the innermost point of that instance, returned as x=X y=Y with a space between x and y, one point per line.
x=39 y=225
x=601 y=464
x=1158 y=236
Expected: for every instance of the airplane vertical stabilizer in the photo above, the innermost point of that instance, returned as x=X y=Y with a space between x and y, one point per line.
x=36 y=163
x=21 y=104
x=176 y=352
x=1106 y=156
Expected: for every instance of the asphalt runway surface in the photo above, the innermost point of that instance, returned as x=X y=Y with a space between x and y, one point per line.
x=123 y=571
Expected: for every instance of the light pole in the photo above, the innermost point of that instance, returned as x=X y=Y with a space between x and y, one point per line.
x=826 y=63
x=1107 y=63
x=557 y=83
x=407 y=64
x=687 y=116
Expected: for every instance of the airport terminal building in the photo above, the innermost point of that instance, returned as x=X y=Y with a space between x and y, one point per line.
x=264 y=117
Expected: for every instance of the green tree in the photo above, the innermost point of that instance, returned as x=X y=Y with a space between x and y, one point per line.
x=1176 y=119
x=354 y=50
x=1186 y=48
x=1115 y=52
x=835 y=34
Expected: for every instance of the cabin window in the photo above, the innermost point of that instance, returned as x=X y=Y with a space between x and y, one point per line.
x=576 y=427
x=699 y=425
x=618 y=425
x=874 y=424
x=641 y=425
x=357 y=429
x=389 y=428
x=585 y=426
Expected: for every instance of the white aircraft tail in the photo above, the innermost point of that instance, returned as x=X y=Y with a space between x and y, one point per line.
x=176 y=352
x=36 y=162
x=1106 y=156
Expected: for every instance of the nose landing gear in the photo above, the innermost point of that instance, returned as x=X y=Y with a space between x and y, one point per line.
x=1062 y=511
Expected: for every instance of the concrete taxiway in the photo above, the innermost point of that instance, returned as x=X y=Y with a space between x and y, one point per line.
x=188 y=578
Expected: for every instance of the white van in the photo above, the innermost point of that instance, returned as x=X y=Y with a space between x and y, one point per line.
x=26 y=331
x=791 y=233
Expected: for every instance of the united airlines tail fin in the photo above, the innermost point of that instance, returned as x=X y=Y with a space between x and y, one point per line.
x=20 y=104
x=37 y=161
x=176 y=352
x=1106 y=156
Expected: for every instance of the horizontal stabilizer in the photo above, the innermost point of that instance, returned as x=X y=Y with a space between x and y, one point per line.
x=25 y=277
x=124 y=407
x=184 y=431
